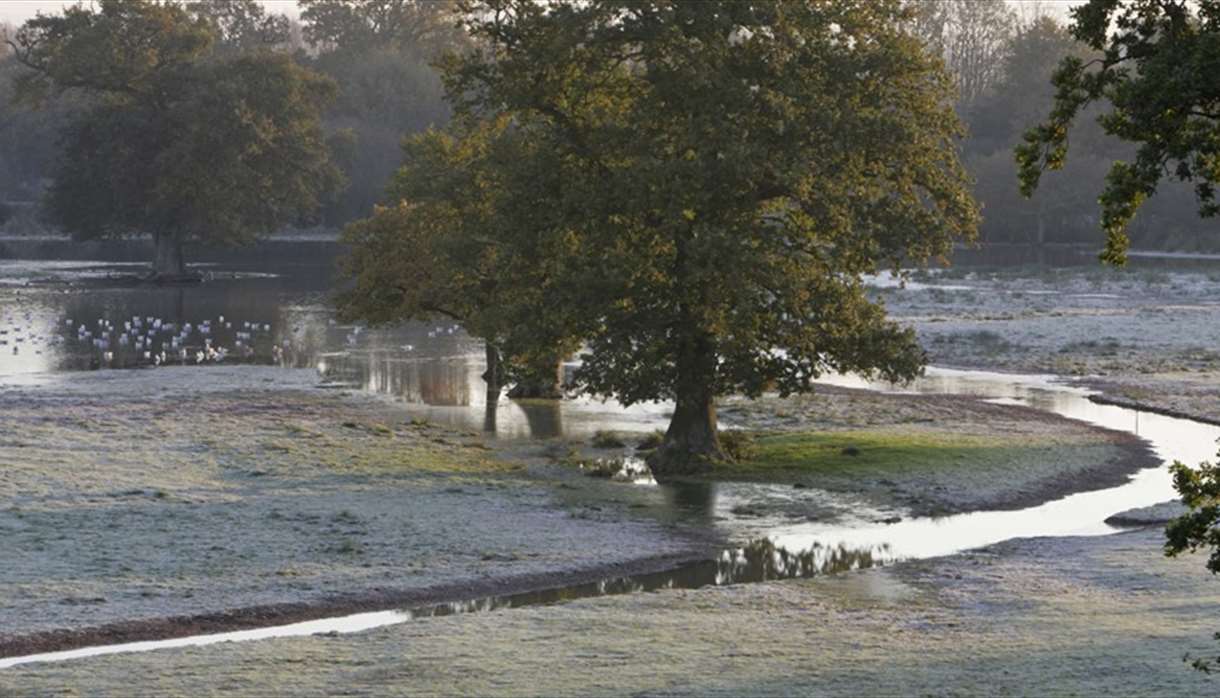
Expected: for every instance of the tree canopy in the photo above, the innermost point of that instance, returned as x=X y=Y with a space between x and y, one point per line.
x=456 y=240
x=423 y=26
x=1155 y=73
x=242 y=25
x=176 y=140
x=728 y=172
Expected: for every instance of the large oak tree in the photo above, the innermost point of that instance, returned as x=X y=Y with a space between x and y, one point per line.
x=731 y=171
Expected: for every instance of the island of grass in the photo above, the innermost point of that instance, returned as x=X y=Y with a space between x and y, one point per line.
x=926 y=454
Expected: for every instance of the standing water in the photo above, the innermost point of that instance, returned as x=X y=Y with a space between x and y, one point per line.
x=283 y=318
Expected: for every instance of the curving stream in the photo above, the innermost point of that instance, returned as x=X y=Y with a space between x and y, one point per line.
x=789 y=551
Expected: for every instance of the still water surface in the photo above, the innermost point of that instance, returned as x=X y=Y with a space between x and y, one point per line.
x=64 y=316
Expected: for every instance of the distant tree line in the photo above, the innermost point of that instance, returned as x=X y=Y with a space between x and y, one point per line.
x=1003 y=64
x=378 y=53
x=381 y=55
x=181 y=121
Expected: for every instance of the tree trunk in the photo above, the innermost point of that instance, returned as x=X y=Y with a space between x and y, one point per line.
x=542 y=382
x=167 y=261
x=489 y=415
x=545 y=419
x=493 y=378
x=692 y=443
x=494 y=373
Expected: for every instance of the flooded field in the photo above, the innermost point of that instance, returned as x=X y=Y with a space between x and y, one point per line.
x=60 y=319
x=582 y=348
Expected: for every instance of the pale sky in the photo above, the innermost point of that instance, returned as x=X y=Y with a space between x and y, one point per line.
x=17 y=11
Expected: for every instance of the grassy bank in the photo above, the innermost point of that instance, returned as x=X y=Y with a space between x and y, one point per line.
x=804 y=455
x=925 y=454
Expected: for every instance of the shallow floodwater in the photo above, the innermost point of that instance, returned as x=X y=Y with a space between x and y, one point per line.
x=436 y=369
x=58 y=316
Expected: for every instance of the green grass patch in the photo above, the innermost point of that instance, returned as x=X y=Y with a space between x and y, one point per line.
x=847 y=453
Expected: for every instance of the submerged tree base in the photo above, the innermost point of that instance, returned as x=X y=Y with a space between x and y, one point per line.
x=672 y=460
x=539 y=380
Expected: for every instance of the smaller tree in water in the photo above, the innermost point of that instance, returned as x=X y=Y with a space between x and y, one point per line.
x=177 y=141
x=454 y=241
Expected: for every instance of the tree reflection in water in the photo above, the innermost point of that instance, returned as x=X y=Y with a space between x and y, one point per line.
x=758 y=561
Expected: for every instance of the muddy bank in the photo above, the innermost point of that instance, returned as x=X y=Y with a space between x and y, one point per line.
x=1186 y=396
x=1156 y=515
x=929 y=454
x=342 y=604
x=1030 y=617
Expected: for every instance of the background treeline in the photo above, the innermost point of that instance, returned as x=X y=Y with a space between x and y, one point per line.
x=380 y=53
x=1003 y=61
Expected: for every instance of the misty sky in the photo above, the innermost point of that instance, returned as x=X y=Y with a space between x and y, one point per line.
x=17 y=11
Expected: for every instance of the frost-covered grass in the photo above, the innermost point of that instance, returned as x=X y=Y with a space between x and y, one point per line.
x=147 y=494
x=1077 y=321
x=1072 y=616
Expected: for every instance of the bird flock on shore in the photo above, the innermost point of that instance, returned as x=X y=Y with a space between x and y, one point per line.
x=145 y=340
x=148 y=340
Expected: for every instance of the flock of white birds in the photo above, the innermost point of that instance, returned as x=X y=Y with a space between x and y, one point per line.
x=142 y=339
x=154 y=341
